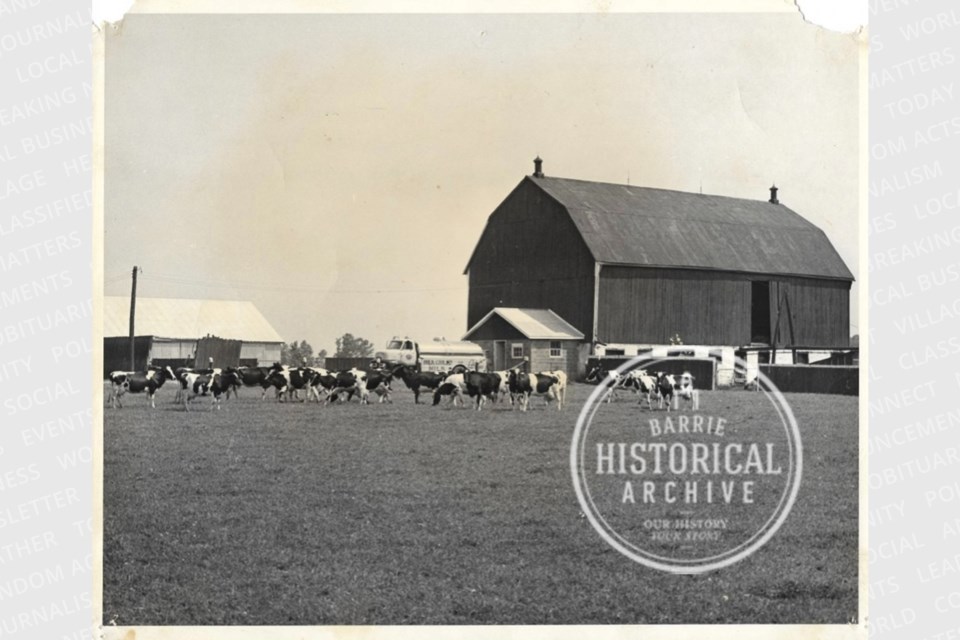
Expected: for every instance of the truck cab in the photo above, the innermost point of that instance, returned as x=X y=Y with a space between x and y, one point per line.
x=438 y=356
x=400 y=351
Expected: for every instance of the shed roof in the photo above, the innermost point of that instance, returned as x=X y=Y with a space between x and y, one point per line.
x=191 y=319
x=535 y=324
x=641 y=226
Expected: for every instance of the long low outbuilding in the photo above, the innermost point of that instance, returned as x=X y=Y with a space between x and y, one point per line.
x=187 y=332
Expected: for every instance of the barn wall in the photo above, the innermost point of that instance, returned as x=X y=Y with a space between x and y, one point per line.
x=819 y=309
x=488 y=349
x=531 y=255
x=181 y=351
x=568 y=361
x=642 y=305
x=571 y=359
x=264 y=353
x=225 y=353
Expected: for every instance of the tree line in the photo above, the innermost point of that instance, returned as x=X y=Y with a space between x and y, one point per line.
x=347 y=346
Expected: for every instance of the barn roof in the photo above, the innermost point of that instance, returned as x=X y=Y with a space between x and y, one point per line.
x=641 y=226
x=184 y=318
x=535 y=324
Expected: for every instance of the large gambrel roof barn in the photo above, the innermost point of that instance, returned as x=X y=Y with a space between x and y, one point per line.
x=628 y=264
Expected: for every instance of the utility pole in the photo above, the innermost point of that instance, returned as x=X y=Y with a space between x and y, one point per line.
x=133 y=309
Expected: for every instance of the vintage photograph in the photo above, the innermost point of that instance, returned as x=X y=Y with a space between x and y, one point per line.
x=481 y=319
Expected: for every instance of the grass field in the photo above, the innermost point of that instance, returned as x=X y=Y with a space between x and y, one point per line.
x=266 y=513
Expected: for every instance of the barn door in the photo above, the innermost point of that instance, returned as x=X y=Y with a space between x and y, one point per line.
x=760 y=311
x=499 y=355
x=225 y=353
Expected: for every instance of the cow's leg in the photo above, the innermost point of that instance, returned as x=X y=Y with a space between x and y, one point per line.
x=416 y=393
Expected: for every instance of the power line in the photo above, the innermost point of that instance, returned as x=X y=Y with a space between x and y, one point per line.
x=178 y=280
x=274 y=287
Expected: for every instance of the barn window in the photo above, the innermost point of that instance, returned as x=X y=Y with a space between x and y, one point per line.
x=516 y=350
x=555 y=349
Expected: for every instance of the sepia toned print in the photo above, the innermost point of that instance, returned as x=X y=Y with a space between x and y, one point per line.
x=381 y=272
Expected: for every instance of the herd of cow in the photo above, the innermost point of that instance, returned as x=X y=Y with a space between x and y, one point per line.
x=324 y=386
x=664 y=387
x=329 y=386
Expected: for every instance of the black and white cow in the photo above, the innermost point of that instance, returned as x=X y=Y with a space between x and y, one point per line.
x=637 y=381
x=215 y=385
x=255 y=377
x=137 y=381
x=321 y=383
x=666 y=385
x=686 y=391
x=481 y=386
x=416 y=380
x=379 y=382
x=504 y=392
x=454 y=386
x=357 y=381
x=523 y=385
x=560 y=388
x=601 y=376
x=290 y=381
x=597 y=373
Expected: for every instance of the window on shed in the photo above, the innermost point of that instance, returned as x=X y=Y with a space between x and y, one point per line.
x=556 y=350
x=516 y=350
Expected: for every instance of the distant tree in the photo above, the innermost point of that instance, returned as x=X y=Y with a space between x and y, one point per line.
x=349 y=346
x=320 y=358
x=295 y=353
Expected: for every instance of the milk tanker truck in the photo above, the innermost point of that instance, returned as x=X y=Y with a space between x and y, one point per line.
x=438 y=355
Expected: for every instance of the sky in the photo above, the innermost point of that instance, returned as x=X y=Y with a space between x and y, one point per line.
x=337 y=170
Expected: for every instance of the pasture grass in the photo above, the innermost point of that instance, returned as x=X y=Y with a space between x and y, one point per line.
x=267 y=513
